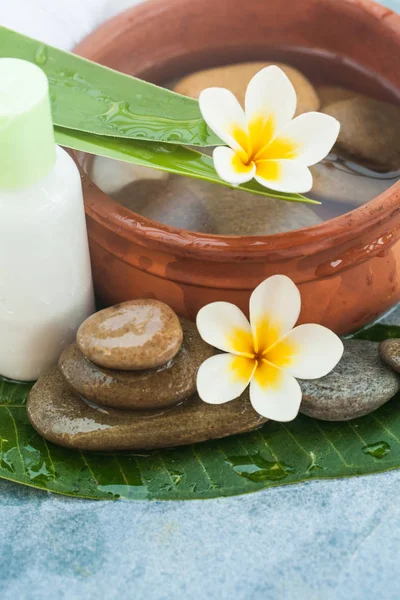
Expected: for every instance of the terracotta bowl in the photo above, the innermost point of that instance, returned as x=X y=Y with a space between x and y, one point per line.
x=346 y=268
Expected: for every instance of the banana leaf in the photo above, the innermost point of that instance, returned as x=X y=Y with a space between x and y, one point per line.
x=104 y=112
x=92 y=98
x=276 y=454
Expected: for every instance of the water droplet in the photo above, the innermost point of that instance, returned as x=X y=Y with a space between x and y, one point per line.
x=214 y=486
x=166 y=487
x=173 y=137
x=177 y=476
x=313 y=466
x=256 y=468
x=378 y=449
x=41 y=55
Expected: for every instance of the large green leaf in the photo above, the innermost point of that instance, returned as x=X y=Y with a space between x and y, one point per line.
x=101 y=111
x=93 y=98
x=277 y=454
x=175 y=159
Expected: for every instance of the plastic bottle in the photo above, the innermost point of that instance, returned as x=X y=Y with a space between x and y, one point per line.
x=45 y=276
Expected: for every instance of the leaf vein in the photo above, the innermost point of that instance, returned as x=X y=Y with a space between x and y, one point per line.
x=333 y=446
x=121 y=470
x=17 y=442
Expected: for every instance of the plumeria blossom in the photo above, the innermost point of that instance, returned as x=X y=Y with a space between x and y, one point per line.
x=268 y=353
x=264 y=140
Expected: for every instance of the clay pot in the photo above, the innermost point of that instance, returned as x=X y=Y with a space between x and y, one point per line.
x=346 y=268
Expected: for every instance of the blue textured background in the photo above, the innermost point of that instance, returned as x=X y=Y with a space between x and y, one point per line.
x=328 y=540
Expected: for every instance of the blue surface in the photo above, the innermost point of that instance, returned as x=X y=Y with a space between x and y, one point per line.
x=328 y=540
x=332 y=540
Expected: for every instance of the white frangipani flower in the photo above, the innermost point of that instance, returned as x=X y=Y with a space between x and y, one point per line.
x=266 y=353
x=264 y=140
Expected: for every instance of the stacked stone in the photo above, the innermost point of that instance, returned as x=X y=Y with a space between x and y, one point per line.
x=129 y=383
x=135 y=356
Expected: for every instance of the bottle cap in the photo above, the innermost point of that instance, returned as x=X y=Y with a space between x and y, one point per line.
x=27 y=146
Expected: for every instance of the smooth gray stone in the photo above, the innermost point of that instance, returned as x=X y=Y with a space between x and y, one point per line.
x=208 y=208
x=358 y=385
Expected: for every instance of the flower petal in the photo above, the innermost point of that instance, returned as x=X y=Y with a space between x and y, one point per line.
x=224 y=377
x=271 y=96
x=224 y=115
x=286 y=175
x=230 y=167
x=223 y=325
x=274 y=309
x=311 y=351
x=310 y=137
x=275 y=394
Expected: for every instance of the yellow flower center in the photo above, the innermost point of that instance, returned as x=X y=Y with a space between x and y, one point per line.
x=261 y=355
x=260 y=147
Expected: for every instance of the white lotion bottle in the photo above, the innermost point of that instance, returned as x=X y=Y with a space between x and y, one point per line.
x=46 y=288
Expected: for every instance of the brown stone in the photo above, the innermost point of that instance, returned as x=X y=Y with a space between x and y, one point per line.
x=345 y=184
x=389 y=351
x=236 y=78
x=369 y=132
x=209 y=208
x=328 y=94
x=138 y=390
x=62 y=417
x=139 y=334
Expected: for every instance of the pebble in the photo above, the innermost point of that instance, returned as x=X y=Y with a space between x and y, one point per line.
x=358 y=385
x=139 y=334
x=389 y=351
x=328 y=94
x=138 y=390
x=369 y=132
x=347 y=183
x=62 y=417
x=236 y=78
x=208 y=208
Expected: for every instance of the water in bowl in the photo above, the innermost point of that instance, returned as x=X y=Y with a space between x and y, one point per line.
x=341 y=185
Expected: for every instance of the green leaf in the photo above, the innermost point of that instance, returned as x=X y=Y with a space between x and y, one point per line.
x=277 y=454
x=166 y=157
x=101 y=111
x=93 y=98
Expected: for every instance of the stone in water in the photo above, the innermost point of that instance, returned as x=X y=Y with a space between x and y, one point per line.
x=237 y=77
x=208 y=208
x=369 y=132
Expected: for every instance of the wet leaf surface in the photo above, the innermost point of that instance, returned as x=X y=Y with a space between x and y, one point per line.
x=276 y=454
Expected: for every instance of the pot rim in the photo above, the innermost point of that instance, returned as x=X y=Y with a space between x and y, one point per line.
x=135 y=227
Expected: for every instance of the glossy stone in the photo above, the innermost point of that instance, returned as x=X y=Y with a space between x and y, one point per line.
x=204 y=207
x=62 y=417
x=358 y=385
x=139 y=334
x=369 y=132
x=389 y=351
x=236 y=78
x=138 y=390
